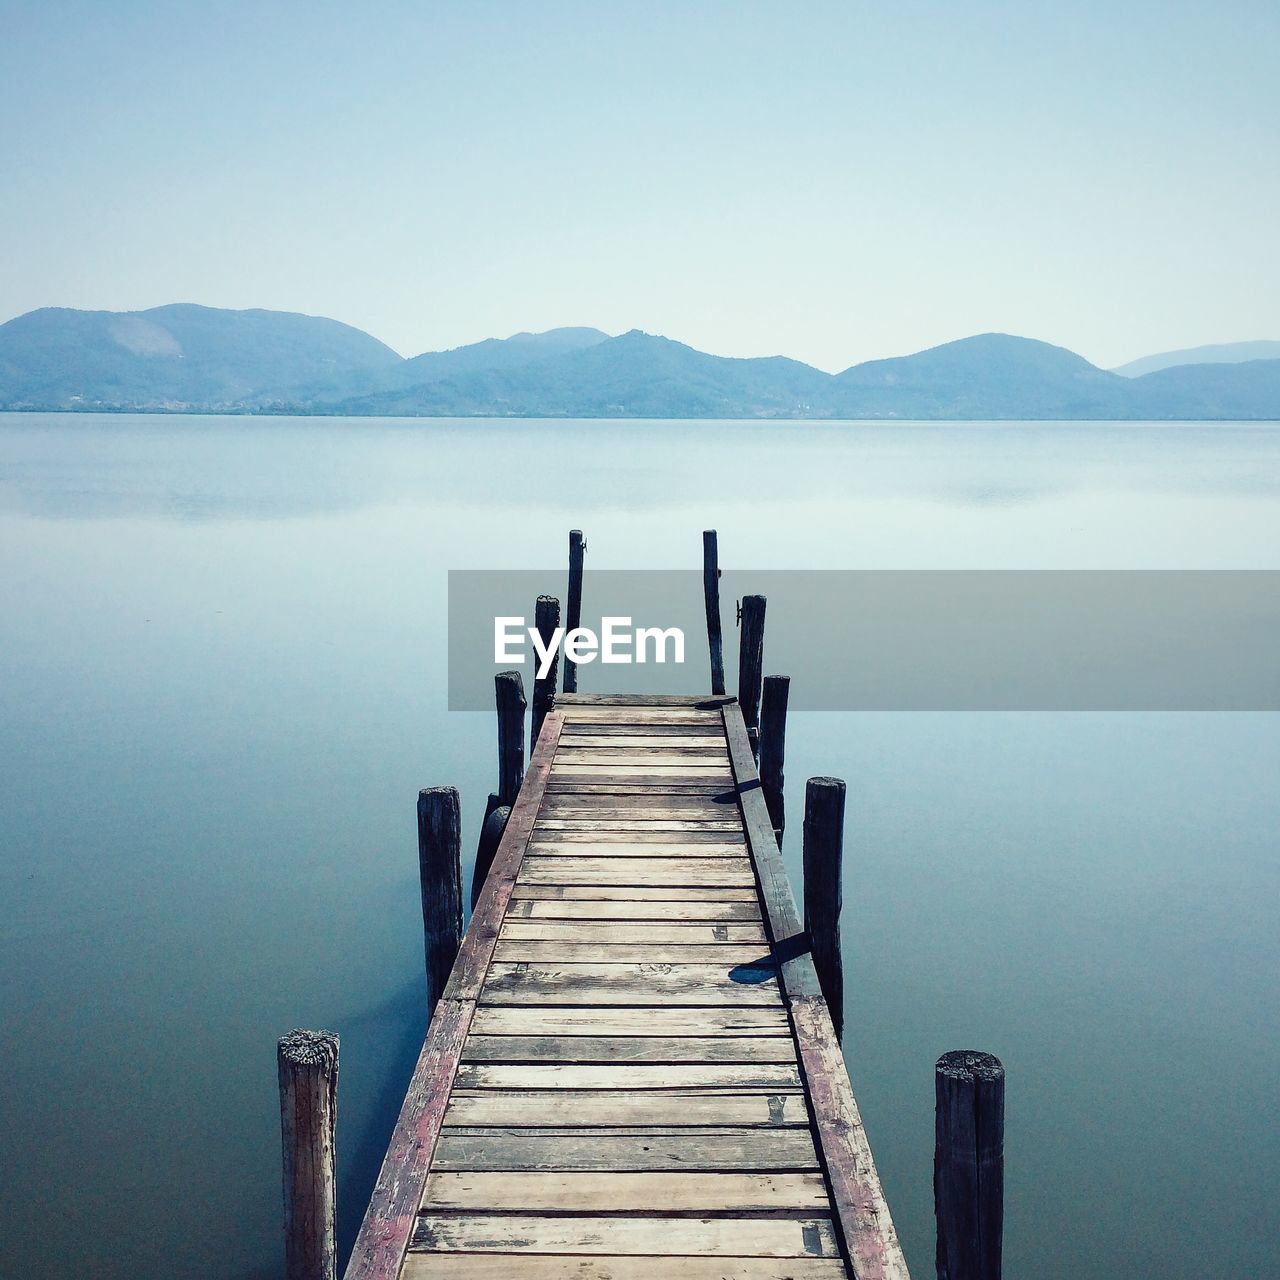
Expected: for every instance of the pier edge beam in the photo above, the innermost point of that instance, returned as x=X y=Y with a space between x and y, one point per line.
x=440 y=871
x=711 y=595
x=546 y=618
x=307 y=1066
x=968 y=1165
x=573 y=605
x=823 y=893
x=773 y=749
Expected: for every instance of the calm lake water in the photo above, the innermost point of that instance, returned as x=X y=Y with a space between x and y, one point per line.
x=222 y=684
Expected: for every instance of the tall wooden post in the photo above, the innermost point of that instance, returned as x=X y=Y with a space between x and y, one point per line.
x=751 y=664
x=968 y=1165
x=440 y=869
x=711 y=594
x=307 y=1065
x=546 y=618
x=773 y=748
x=573 y=604
x=823 y=853
x=509 y=690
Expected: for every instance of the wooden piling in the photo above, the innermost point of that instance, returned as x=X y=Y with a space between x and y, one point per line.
x=440 y=869
x=823 y=854
x=307 y=1065
x=546 y=618
x=711 y=594
x=751 y=664
x=495 y=823
x=573 y=605
x=509 y=690
x=773 y=748
x=968 y=1165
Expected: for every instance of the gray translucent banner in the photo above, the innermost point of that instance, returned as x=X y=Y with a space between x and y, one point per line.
x=915 y=640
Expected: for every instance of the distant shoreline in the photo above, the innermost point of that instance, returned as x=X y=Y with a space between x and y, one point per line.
x=760 y=419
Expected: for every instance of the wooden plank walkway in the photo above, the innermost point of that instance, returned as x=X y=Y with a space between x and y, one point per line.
x=632 y=1074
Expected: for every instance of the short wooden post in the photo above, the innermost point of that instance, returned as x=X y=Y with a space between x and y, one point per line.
x=711 y=593
x=509 y=689
x=573 y=604
x=968 y=1165
x=440 y=869
x=751 y=664
x=546 y=618
x=307 y=1065
x=773 y=748
x=495 y=823
x=823 y=854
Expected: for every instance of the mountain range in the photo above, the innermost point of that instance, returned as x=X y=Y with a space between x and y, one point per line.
x=193 y=359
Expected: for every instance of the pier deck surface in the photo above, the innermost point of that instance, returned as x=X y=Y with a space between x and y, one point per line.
x=632 y=1074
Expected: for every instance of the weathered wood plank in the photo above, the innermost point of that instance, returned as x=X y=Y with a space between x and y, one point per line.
x=862 y=1212
x=653 y=793
x=790 y=942
x=685 y=740
x=707 y=1110
x=608 y=759
x=655 y=805
x=711 y=731
x=637 y=1048
x=389 y=1221
x=546 y=1020
x=650 y=871
x=623 y=859
x=624 y=893
x=572 y=932
x=527 y=1266
x=629 y=1076
x=560 y=908
x=387 y=1224
x=616 y=843
x=499 y=1233
x=520 y=986
x=684 y=716
x=594 y=953
x=639 y=701
x=666 y=1193
x=638 y=844
x=867 y=1226
x=629 y=984
x=623 y=821
x=607 y=771
x=762 y=1149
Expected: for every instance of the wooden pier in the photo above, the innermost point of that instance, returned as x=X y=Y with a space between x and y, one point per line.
x=632 y=1073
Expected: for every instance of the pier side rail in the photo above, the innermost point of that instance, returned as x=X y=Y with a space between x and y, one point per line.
x=388 y=1224
x=869 y=1238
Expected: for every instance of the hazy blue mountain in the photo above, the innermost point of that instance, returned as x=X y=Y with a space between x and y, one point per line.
x=499 y=353
x=992 y=375
x=184 y=357
x=635 y=375
x=1249 y=390
x=200 y=359
x=1219 y=353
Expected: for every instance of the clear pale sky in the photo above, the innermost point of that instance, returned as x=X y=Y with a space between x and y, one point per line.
x=831 y=181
